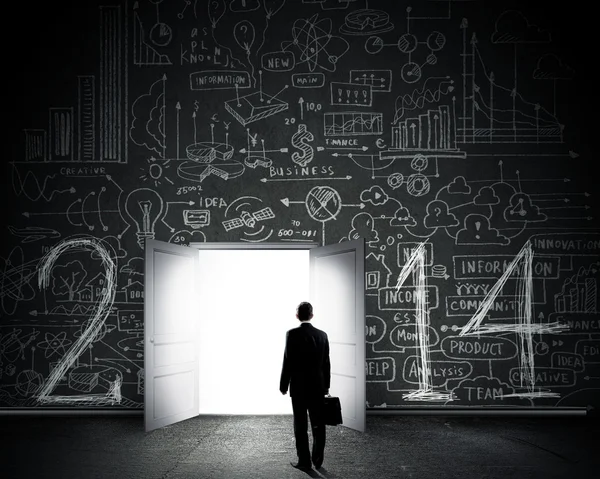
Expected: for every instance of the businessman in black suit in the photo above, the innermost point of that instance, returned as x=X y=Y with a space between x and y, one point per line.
x=306 y=370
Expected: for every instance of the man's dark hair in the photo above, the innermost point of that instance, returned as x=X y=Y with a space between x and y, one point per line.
x=305 y=311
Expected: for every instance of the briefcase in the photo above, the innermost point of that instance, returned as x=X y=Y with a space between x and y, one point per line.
x=332 y=410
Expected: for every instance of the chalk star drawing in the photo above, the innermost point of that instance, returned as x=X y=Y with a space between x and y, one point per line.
x=317 y=46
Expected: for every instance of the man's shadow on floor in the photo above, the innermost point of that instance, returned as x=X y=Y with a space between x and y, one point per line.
x=322 y=472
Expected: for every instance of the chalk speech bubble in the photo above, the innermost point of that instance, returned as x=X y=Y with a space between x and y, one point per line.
x=482 y=389
x=483 y=348
x=543 y=377
x=574 y=361
x=279 y=61
x=441 y=371
x=406 y=336
x=380 y=370
x=375 y=328
x=589 y=349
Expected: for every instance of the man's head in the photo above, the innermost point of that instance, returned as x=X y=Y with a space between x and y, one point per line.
x=304 y=312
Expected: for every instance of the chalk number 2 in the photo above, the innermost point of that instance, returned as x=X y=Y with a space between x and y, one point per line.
x=96 y=323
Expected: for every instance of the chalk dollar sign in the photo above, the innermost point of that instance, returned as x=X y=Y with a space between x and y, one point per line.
x=300 y=140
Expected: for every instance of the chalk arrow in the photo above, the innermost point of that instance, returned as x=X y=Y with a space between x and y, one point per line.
x=287 y=201
x=348 y=177
x=359 y=205
x=280 y=150
x=181 y=203
x=363 y=148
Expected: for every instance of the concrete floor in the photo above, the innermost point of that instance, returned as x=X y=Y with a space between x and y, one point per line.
x=245 y=447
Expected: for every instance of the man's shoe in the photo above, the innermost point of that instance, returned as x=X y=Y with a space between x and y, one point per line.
x=318 y=464
x=301 y=466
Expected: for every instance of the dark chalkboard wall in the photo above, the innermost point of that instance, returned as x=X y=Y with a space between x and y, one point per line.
x=439 y=122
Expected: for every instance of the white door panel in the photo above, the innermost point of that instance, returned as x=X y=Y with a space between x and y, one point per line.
x=170 y=334
x=338 y=297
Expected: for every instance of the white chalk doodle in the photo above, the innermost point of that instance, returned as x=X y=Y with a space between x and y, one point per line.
x=248 y=214
x=315 y=45
x=255 y=106
x=301 y=140
x=160 y=34
x=83 y=378
x=144 y=206
x=148 y=127
x=484 y=122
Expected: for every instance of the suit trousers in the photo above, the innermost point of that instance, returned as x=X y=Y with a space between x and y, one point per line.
x=314 y=406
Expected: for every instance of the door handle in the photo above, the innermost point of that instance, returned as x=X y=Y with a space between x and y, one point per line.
x=151 y=340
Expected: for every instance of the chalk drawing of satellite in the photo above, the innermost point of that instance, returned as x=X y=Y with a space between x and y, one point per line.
x=248 y=219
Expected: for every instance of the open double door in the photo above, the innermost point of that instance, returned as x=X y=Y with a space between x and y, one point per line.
x=172 y=315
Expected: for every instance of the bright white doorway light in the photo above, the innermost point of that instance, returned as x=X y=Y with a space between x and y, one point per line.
x=247 y=301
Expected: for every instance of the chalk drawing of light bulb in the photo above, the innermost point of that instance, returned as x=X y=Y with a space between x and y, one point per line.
x=144 y=206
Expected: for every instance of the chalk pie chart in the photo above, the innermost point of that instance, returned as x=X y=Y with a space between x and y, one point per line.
x=203 y=164
x=207 y=152
x=323 y=203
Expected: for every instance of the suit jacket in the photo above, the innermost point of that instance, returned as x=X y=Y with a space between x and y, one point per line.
x=306 y=368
